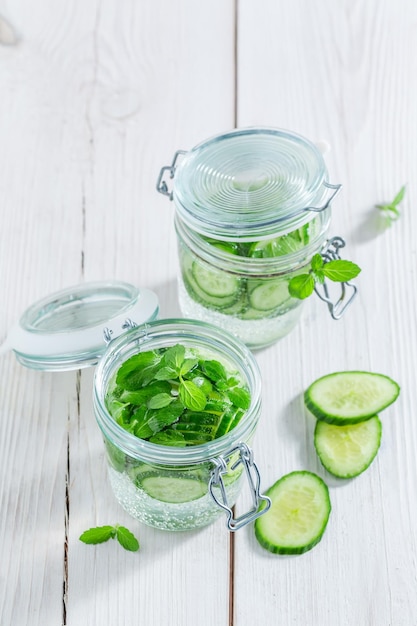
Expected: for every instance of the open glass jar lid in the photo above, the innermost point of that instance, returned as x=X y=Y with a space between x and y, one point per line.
x=67 y=329
x=249 y=182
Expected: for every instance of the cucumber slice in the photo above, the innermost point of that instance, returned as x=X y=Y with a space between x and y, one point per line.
x=173 y=489
x=298 y=515
x=201 y=296
x=215 y=282
x=350 y=397
x=286 y=244
x=267 y=295
x=347 y=451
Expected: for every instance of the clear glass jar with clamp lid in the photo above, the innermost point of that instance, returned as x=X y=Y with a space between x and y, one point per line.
x=252 y=208
x=171 y=487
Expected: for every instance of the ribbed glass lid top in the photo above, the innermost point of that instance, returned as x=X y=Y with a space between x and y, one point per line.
x=243 y=183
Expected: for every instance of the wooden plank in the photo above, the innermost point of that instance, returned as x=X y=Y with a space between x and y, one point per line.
x=95 y=99
x=40 y=252
x=154 y=83
x=343 y=73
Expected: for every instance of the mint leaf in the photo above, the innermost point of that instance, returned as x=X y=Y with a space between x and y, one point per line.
x=160 y=401
x=154 y=420
x=399 y=197
x=192 y=396
x=143 y=395
x=174 y=357
x=127 y=539
x=214 y=370
x=100 y=534
x=138 y=370
x=169 y=437
x=390 y=209
x=301 y=286
x=340 y=270
x=240 y=398
x=166 y=373
x=203 y=383
x=187 y=366
x=120 y=411
x=317 y=262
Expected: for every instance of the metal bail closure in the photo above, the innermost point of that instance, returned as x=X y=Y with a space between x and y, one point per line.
x=161 y=184
x=252 y=474
x=108 y=332
x=348 y=290
x=334 y=190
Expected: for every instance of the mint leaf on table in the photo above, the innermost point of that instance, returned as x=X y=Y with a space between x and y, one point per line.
x=127 y=539
x=100 y=534
x=390 y=209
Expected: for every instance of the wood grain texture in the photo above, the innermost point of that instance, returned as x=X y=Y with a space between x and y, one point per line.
x=342 y=74
x=95 y=98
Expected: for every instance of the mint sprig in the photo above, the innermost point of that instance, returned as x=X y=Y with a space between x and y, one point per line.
x=100 y=534
x=302 y=286
x=390 y=210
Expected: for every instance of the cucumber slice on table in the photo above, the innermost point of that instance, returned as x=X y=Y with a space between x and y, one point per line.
x=172 y=489
x=347 y=451
x=298 y=515
x=350 y=397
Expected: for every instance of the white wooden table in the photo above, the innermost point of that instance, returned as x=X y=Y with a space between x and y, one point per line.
x=96 y=96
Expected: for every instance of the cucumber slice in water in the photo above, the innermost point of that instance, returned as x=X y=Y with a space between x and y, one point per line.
x=347 y=451
x=172 y=489
x=298 y=515
x=215 y=282
x=350 y=397
x=267 y=295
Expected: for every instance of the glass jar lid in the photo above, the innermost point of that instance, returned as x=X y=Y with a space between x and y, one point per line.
x=246 y=183
x=65 y=330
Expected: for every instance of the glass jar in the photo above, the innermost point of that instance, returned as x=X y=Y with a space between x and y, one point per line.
x=252 y=207
x=181 y=488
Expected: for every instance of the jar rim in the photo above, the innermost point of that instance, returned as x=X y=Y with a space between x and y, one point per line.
x=249 y=181
x=162 y=333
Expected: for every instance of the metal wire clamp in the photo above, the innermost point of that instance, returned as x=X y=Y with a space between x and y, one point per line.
x=337 y=308
x=161 y=184
x=252 y=474
x=107 y=332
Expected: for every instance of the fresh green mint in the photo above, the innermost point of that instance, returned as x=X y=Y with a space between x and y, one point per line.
x=303 y=285
x=175 y=397
x=390 y=210
x=100 y=534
